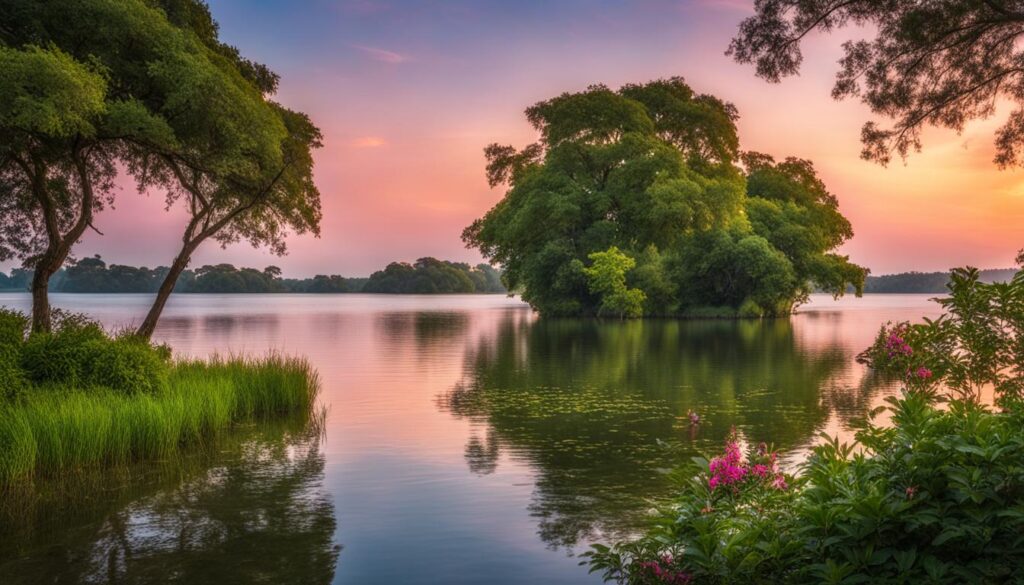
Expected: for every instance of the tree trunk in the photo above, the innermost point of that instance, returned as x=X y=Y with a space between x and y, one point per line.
x=48 y=265
x=59 y=245
x=40 y=301
x=145 y=330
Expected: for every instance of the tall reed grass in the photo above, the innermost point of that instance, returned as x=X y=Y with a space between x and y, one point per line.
x=56 y=429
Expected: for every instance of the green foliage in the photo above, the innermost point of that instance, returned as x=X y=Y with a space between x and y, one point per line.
x=62 y=356
x=12 y=377
x=973 y=346
x=927 y=282
x=125 y=364
x=433 y=276
x=935 y=495
x=79 y=354
x=652 y=171
x=606 y=277
x=60 y=428
x=13 y=326
x=46 y=92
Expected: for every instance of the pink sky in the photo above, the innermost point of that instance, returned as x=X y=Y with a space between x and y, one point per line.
x=409 y=93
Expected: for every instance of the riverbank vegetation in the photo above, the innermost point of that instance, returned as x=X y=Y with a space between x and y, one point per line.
x=639 y=202
x=935 y=495
x=77 y=398
x=927 y=282
x=425 y=276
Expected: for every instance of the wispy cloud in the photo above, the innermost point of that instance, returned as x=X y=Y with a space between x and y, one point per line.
x=382 y=55
x=368 y=142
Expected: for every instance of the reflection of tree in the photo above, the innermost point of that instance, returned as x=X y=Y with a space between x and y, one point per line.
x=427 y=326
x=599 y=409
x=258 y=514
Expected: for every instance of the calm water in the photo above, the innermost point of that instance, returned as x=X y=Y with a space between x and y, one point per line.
x=466 y=440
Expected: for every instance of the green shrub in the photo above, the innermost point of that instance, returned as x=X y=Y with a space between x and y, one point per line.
x=12 y=378
x=124 y=364
x=12 y=327
x=60 y=357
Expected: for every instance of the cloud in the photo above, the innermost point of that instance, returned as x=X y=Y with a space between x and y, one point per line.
x=368 y=142
x=382 y=55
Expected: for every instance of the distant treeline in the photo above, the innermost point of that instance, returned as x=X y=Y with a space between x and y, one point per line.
x=426 y=276
x=926 y=282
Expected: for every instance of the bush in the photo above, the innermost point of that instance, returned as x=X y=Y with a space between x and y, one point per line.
x=61 y=356
x=12 y=327
x=80 y=354
x=977 y=344
x=125 y=364
x=12 y=378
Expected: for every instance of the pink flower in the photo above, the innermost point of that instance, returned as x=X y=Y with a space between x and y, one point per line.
x=761 y=470
x=924 y=373
x=911 y=492
x=694 y=418
x=728 y=469
x=780 y=483
x=665 y=574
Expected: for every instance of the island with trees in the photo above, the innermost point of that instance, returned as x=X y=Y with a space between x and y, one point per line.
x=639 y=202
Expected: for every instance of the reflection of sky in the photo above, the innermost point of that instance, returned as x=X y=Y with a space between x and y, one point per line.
x=408 y=93
x=410 y=505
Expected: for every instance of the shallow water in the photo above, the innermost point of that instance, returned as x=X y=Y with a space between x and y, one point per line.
x=466 y=440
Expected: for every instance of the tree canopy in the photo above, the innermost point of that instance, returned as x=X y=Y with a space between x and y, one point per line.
x=652 y=172
x=145 y=85
x=432 y=276
x=941 y=63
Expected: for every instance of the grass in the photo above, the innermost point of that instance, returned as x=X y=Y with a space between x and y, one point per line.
x=57 y=428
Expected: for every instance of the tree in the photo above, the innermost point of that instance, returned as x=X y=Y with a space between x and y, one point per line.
x=184 y=112
x=790 y=207
x=651 y=170
x=62 y=130
x=941 y=63
x=432 y=276
x=606 y=277
x=254 y=180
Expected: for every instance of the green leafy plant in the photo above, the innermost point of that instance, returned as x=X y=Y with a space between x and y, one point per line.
x=977 y=344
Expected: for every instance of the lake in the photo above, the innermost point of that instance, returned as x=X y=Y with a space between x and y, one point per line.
x=465 y=441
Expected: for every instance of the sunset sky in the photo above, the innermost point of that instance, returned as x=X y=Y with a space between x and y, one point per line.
x=408 y=94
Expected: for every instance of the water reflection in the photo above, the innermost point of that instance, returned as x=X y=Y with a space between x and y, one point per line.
x=598 y=409
x=259 y=514
x=460 y=427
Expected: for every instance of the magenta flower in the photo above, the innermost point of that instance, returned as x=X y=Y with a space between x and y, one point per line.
x=924 y=373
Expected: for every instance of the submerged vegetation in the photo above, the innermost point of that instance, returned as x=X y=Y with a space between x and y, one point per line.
x=639 y=202
x=77 y=398
x=936 y=495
